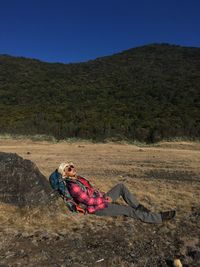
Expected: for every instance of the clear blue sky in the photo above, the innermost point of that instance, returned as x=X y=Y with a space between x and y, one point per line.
x=80 y=30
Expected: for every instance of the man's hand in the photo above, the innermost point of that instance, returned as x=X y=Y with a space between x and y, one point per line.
x=109 y=199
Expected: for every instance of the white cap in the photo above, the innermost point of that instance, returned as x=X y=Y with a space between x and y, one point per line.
x=62 y=167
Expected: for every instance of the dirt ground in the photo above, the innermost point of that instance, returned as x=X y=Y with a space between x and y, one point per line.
x=164 y=176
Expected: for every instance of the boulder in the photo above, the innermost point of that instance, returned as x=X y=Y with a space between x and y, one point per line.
x=21 y=182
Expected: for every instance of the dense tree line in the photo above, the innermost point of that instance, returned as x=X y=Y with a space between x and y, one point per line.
x=147 y=93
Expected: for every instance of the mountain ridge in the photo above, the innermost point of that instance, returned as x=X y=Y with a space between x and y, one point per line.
x=102 y=57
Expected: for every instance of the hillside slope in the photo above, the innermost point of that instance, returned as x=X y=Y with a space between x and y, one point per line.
x=146 y=93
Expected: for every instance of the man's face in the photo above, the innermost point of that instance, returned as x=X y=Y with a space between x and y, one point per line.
x=69 y=171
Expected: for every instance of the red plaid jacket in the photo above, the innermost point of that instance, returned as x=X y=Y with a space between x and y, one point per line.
x=93 y=199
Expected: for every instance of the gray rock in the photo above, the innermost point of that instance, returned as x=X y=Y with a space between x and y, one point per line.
x=22 y=183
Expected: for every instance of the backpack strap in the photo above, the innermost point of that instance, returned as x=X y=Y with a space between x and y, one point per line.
x=78 y=207
x=85 y=182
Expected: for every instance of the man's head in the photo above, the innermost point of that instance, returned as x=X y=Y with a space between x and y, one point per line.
x=67 y=169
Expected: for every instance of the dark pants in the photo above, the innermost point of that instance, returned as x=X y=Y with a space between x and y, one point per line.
x=130 y=210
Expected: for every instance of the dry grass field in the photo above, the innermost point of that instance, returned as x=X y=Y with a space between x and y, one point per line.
x=163 y=176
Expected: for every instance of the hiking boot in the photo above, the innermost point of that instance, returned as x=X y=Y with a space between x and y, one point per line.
x=142 y=208
x=168 y=215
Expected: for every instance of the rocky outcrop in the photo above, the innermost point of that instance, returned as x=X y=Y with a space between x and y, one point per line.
x=21 y=182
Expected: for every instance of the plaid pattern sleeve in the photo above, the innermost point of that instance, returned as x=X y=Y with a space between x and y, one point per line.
x=93 y=203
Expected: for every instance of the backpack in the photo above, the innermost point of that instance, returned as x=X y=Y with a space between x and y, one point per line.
x=59 y=184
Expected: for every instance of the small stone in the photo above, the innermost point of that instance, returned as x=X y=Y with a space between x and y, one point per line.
x=25 y=234
x=35 y=242
x=62 y=232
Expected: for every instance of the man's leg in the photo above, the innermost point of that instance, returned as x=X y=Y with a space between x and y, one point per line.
x=115 y=210
x=122 y=190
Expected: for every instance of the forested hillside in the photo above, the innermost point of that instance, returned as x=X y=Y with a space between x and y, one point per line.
x=147 y=93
